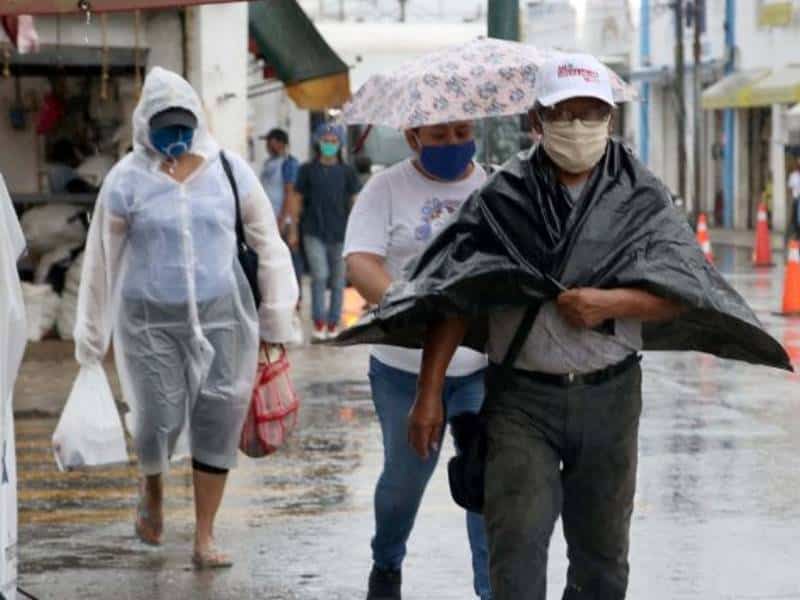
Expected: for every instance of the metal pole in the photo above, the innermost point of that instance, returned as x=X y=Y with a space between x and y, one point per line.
x=680 y=94
x=504 y=19
x=403 y=10
x=698 y=124
x=341 y=10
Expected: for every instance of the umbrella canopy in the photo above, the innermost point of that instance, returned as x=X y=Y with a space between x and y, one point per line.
x=483 y=78
x=48 y=7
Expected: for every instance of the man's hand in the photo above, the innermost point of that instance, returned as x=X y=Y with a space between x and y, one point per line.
x=425 y=423
x=586 y=307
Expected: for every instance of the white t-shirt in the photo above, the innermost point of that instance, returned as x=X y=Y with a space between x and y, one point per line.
x=794 y=183
x=397 y=213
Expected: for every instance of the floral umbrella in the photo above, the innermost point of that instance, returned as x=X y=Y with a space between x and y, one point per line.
x=483 y=78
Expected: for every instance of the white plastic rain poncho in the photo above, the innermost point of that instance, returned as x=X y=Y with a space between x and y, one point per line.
x=161 y=272
x=13 y=337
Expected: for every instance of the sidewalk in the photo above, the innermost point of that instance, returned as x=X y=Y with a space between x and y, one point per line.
x=743 y=238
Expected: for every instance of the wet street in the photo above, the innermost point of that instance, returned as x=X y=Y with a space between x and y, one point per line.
x=717 y=509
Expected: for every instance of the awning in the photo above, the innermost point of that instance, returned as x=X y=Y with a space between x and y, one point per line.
x=733 y=91
x=781 y=87
x=315 y=77
x=49 y=7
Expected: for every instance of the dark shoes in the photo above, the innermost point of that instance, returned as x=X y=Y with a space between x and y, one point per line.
x=384 y=584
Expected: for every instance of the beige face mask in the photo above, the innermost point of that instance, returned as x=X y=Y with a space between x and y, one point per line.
x=575 y=146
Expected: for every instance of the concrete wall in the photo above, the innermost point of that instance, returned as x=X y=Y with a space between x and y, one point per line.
x=765 y=46
x=165 y=40
x=18 y=155
x=217 y=67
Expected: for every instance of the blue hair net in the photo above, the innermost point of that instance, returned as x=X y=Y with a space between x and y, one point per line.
x=327 y=129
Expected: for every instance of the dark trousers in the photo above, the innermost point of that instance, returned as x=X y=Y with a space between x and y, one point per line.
x=561 y=450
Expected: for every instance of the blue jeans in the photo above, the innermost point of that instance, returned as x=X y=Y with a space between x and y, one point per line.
x=327 y=271
x=297 y=263
x=405 y=475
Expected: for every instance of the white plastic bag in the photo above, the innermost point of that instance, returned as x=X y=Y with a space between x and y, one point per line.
x=89 y=432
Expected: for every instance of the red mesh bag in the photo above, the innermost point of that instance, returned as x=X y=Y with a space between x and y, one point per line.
x=273 y=408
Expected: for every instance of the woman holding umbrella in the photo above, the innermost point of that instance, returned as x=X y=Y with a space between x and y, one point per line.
x=397 y=213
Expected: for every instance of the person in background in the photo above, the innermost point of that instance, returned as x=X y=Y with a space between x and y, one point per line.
x=278 y=176
x=400 y=210
x=794 y=190
x=766 y=199
x=326 y=188
x=162 y=274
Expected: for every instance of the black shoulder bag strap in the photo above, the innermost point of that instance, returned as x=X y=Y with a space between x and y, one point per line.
x=226 y=166
x=248 y=258
x=519 y=339
x=466 y=471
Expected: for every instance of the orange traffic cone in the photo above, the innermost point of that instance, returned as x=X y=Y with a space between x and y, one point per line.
x=791 y=286
x=762 y=253
x=703 y=239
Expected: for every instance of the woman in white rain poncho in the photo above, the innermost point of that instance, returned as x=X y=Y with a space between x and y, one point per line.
x=161 y=271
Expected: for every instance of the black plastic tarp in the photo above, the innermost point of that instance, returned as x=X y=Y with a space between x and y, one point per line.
x=507 y=246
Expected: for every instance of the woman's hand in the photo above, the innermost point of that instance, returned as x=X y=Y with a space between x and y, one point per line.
x=425 y=423
x=269 y=352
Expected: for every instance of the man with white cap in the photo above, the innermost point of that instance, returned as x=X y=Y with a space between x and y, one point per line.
x=564 y=387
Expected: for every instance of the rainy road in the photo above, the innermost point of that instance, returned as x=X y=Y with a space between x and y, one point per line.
x=717 y=509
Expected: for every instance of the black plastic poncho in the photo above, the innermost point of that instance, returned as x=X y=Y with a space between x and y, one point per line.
x=507 y=247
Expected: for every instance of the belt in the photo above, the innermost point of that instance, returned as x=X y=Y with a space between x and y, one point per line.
x=592 y=378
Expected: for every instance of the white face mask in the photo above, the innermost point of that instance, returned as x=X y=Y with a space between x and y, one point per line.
x=575 y=146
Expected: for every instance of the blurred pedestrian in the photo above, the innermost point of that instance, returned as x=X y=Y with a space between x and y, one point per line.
x=766 y=199
x=399 y=211
x=278 y=176
x=161 y=272
x=326 y=188
x=794 y=188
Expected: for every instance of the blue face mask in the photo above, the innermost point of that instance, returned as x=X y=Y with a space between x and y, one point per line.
x=447 y=162
x=172 y=141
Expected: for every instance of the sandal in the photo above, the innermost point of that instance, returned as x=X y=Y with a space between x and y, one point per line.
x=212 y=558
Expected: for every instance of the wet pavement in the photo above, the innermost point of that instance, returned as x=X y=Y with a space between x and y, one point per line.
x=717 y=509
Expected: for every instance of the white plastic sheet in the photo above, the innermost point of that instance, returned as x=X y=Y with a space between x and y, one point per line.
x=89 y=432
x=53 y=226
x=41 y=307
x=12 y=347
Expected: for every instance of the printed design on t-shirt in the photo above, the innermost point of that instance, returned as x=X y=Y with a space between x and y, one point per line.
x=435 y=212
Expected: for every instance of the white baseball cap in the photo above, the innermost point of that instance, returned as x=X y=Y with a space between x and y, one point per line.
x=568 y=76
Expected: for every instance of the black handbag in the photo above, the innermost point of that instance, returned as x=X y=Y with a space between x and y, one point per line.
x=466 y=471
x=248 y=258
